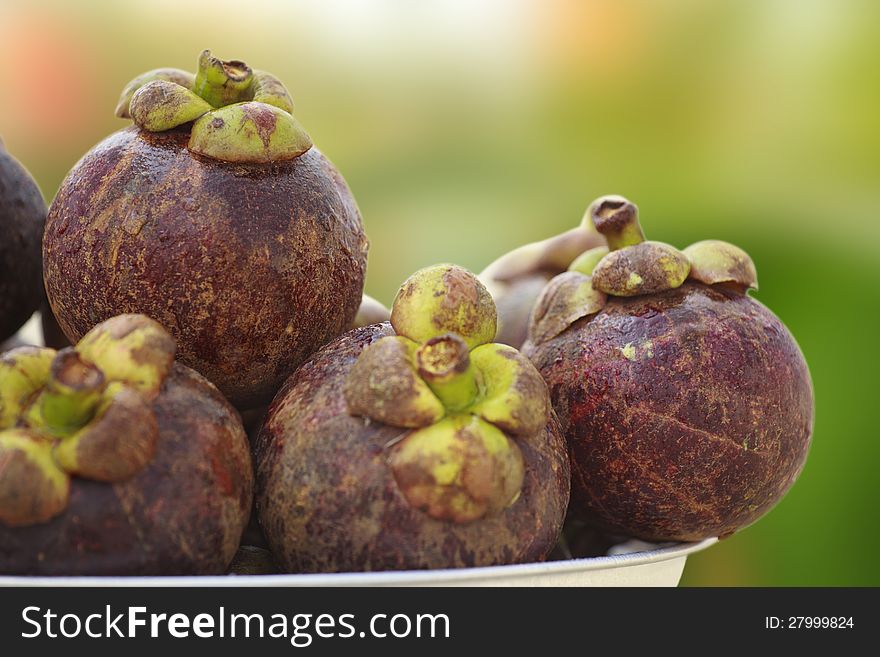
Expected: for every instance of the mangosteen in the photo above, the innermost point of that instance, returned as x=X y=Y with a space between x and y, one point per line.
x=216 y=216
x=687 y=404
x=22 y=215
x=516 y=279
x=413 y=444
x=115 y=460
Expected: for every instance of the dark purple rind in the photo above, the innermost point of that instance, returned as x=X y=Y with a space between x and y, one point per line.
x=700 y=439
x=182 y=515
x=22 y=215
x=250 y=267
x=328 y=501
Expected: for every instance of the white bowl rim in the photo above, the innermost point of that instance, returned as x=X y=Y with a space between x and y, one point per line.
x=384 y=578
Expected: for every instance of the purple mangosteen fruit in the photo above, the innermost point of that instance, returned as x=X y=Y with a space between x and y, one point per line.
x=413 y=444
x=687 y=404
x=115 y=460
x=216 y=216
x=22 y=215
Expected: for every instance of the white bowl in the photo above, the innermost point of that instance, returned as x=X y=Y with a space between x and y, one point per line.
x=661 y=566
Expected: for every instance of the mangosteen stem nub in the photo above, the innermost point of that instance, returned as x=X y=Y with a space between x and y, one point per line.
x=444 y=364
x=618 y=220
x=222 y=82
x=71 y=394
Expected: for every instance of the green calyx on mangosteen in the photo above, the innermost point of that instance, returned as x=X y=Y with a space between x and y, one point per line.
x=90 y=434
x=237 y=114
x=22 y=215
x=441 y=376
x=515 y=280
x=82 y=411
x=216 y=216
x=687 y=405
x=441 y=450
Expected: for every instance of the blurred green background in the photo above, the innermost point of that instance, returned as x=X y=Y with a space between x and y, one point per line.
x=468 y=127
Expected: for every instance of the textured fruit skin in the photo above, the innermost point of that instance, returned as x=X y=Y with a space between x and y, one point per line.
x=328 y=501
x=183 y=514
x=688 y=413
x=250 y=267
x=22 y=215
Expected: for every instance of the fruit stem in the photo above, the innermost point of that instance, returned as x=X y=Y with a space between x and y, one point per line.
x=222 y=82
x=444 y=364
x=618 y=220
x=71 y=394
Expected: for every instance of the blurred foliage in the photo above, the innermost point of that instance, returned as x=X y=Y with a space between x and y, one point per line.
x=467 y=127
